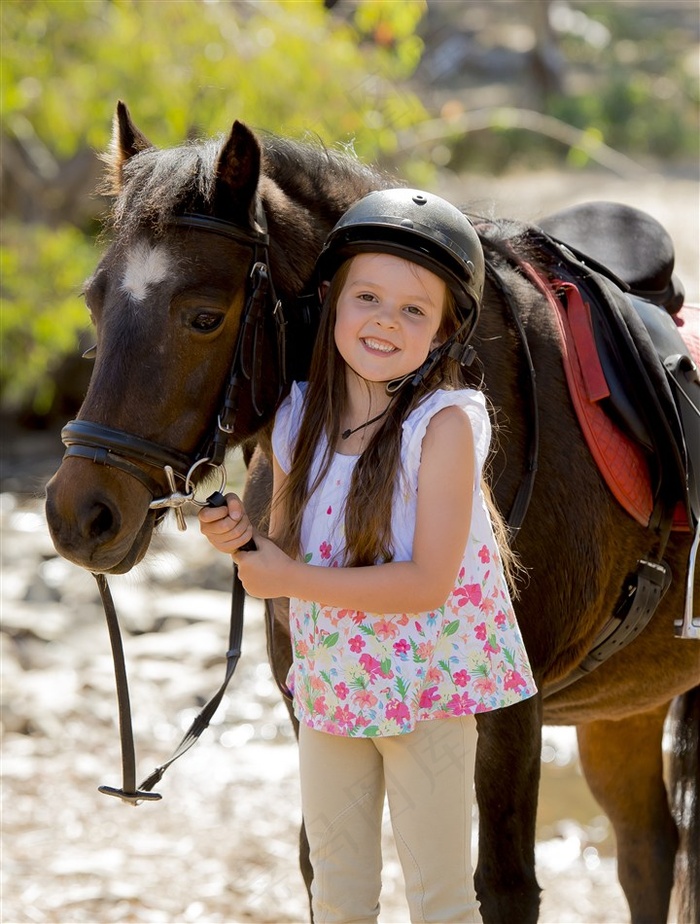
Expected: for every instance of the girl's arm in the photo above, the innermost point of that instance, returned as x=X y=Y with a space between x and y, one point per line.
x=445 y=486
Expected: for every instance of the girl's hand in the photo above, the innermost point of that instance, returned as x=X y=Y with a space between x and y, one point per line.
x=266 y=572
x=227 y=528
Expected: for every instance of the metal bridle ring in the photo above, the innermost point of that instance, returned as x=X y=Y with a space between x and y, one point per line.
x=189 y=487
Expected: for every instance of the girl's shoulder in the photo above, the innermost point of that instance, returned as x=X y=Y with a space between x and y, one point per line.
x=287 y=422
x=471 y=401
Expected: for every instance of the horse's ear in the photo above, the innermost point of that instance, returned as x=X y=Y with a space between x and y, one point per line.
x=127 y=140
x=237 y=173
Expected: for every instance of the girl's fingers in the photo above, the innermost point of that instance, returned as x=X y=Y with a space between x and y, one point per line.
x=226 y=527
x=212 y=514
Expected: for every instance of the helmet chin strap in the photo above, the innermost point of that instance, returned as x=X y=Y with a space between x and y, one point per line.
x=462 y=353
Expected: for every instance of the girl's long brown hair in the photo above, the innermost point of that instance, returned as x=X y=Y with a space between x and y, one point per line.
x=369 y=503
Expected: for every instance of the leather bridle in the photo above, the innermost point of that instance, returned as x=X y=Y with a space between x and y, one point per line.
x=128 y=453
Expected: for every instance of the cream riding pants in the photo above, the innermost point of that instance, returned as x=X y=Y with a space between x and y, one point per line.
x=428 y=778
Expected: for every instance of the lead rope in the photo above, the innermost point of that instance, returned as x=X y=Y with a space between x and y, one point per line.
x=129 y=792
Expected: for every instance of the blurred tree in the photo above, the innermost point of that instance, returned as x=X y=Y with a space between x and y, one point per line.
x=185 y=68
x=508 y=83
x=621 y=72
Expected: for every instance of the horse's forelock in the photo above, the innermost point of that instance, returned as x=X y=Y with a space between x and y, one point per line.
x=156 y=184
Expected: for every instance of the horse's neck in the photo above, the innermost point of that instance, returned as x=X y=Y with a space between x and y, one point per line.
x=299 y=224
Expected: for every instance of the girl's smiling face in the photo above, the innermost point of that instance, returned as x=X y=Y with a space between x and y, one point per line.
x=388 y=315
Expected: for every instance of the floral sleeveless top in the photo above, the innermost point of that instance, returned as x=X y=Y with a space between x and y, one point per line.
x=367 y=674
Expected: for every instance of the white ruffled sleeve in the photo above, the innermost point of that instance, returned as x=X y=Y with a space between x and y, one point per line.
x=472 y=402
x=286 y=427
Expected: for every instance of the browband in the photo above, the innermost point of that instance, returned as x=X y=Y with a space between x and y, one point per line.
x=226 y=228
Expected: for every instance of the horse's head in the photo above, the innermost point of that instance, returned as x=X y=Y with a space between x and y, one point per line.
x=177 y=373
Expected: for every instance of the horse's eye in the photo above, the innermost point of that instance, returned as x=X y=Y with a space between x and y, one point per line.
x=206 y=321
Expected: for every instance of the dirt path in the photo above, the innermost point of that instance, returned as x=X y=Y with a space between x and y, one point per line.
x=221 y=846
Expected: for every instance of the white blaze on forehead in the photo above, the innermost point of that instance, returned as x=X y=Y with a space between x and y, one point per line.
x=145 y=266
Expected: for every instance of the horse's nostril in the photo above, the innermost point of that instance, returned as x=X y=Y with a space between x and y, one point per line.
x=101 y=522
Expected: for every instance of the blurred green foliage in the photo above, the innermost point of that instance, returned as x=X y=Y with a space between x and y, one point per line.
x=350 y=75
x=192 y=67
x=42 y=312
x=642 y=90
x=185 y=69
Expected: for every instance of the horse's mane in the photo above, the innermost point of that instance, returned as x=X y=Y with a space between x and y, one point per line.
x=148 y=189
x=304 y=184
x=501 y=237
x=311 y=172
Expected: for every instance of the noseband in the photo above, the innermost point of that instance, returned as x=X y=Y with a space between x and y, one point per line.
x=128 y=453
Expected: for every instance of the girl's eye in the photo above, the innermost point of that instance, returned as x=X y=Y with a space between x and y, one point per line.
x=414 y=309
x=366 y=297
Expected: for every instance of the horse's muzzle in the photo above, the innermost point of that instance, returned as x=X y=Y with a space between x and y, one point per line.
x=98 y=518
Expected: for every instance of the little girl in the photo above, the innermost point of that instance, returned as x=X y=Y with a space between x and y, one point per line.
x=401 y=622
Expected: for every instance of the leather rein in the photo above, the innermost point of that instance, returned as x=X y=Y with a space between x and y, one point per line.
x=127 y=452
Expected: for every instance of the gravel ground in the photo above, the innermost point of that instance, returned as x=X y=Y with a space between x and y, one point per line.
x=221 y=846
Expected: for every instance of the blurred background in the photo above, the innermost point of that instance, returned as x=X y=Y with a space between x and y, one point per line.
x=439 y=92
x=515 y=108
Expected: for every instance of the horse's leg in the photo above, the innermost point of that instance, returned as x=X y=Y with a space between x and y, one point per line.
x=685 y=785
x=622 y=763
x=507 y=781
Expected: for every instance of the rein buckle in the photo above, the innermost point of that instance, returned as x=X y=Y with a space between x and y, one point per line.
x=133 y=798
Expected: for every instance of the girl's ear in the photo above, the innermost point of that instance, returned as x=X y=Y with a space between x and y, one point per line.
x=323 y=289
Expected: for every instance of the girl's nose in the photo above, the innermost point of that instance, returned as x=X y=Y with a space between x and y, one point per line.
x=386 y=316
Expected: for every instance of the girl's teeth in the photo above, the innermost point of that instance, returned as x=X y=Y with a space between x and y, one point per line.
x=379 y=346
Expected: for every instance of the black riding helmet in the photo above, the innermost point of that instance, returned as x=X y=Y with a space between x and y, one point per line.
x=425 y=229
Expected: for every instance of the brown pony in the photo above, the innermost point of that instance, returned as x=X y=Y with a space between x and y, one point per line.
x=208 y=231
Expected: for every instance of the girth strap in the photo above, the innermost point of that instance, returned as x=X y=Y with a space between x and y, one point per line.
x=639 y=599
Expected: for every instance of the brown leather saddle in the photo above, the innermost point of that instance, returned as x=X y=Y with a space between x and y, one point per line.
x=621 y=262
